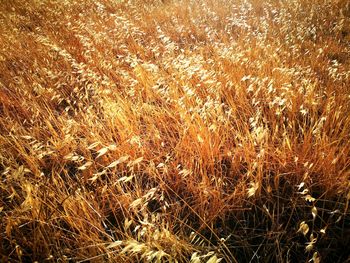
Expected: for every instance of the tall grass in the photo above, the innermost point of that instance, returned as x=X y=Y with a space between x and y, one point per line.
x=174 y=131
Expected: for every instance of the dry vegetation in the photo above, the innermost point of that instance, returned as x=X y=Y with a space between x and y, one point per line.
x=174 y=131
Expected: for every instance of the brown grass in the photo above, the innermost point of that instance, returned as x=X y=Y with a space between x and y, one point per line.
x=174 y=131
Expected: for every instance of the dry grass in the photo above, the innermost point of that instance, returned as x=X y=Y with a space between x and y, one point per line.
x=174 y=131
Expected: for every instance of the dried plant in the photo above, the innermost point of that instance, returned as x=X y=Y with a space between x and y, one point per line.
x=174 y=131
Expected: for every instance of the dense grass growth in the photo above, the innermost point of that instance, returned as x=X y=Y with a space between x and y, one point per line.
x=174 y=131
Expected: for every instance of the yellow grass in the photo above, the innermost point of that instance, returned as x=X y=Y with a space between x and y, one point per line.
x=174 y=131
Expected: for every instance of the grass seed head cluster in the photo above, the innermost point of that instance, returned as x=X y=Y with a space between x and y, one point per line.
x=174 y=131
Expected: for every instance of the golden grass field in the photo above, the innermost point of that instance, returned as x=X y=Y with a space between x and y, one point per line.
x=175 y=131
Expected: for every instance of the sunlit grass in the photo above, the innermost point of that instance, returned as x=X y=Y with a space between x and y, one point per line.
x=174 y=131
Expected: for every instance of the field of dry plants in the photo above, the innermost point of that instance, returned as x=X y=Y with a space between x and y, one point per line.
x=175 y=131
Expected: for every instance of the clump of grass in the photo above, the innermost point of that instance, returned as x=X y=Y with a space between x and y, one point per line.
x=174 y=131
